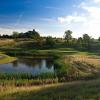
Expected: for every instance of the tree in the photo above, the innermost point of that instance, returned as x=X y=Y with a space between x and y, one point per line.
x=99 y=39
x=74 y=42
x=86 y=41
x=15 y=35
x=68 y=37
x=35 y=35
x=80 y=43
x=50 y=42
x=32 y=34
x=5 y=36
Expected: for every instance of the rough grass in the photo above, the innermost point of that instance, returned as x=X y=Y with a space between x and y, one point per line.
x=27 y=79
x=81 y=90
x=7 y=42
x=93 y=60
x=78 y=66
x=75 y=65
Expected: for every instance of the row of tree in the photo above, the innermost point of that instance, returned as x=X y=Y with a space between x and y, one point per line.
x=30 y=34
x=82 y=43
x=85 y=42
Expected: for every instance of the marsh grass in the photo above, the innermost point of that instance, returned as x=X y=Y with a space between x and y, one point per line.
x=27 y=79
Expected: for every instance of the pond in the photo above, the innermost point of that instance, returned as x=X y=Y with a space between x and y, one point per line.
x=33 y=66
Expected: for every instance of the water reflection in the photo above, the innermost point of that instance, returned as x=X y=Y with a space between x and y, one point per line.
x=15 y=64
x=34 y=66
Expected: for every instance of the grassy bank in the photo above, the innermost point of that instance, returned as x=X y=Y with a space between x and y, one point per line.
x=77 y=66
x=70 y=66
x=6 y=59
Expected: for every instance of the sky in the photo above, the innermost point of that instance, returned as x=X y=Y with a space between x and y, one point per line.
x=51 y=17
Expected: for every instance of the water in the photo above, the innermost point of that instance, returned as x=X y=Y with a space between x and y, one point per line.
x=33 y=66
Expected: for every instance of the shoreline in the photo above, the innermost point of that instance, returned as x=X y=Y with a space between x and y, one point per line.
x=4 y=59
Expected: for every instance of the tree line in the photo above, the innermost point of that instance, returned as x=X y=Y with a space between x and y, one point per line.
x=29 y=34
x=85 y=42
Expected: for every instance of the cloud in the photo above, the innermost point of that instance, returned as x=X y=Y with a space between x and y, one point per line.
x=47 y=19
x=96 y=1
x=87 y=20
x=93 y=11
x=71 y=18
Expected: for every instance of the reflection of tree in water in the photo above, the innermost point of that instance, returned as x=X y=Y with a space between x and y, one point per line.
x=49 y=63
x=31 y=62
x=57 y=69
x=15 y=63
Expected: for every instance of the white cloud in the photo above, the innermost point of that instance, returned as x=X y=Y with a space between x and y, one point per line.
x=89 y=22
x=71 y=18
x=47 y=19
x=96 y=1
x=92 y=10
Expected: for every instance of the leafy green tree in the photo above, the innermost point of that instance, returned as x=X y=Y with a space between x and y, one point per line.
x=50 y=42
x=68 y=37
x=74 y=42
x=99 y=39
x=80 y=43
x=15 y=35
x=86 y=41
x=32 y=34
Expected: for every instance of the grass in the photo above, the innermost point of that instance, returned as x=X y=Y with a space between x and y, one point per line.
x=27 y=79
x=6 y=59
x=81 y=90
x=6 y=42
x=70 y=65
x=78 y=66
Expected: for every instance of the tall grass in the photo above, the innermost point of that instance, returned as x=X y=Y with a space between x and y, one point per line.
x=70 y=69
x=23 y=79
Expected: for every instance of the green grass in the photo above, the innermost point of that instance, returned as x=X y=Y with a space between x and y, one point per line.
x=23 y=86
x=27 y=79
x=6 y=59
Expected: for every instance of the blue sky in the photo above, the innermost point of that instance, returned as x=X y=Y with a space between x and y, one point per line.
x=50 y=17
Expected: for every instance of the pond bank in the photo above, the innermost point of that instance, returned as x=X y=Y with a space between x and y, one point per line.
x=65 y=68
x=6 y=59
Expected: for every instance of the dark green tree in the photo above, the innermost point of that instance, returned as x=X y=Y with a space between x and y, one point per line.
x=80 y=43
x=86 y=41
x=15 y=35
x=68 y=37
x=99 y=39
x=50 y=42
